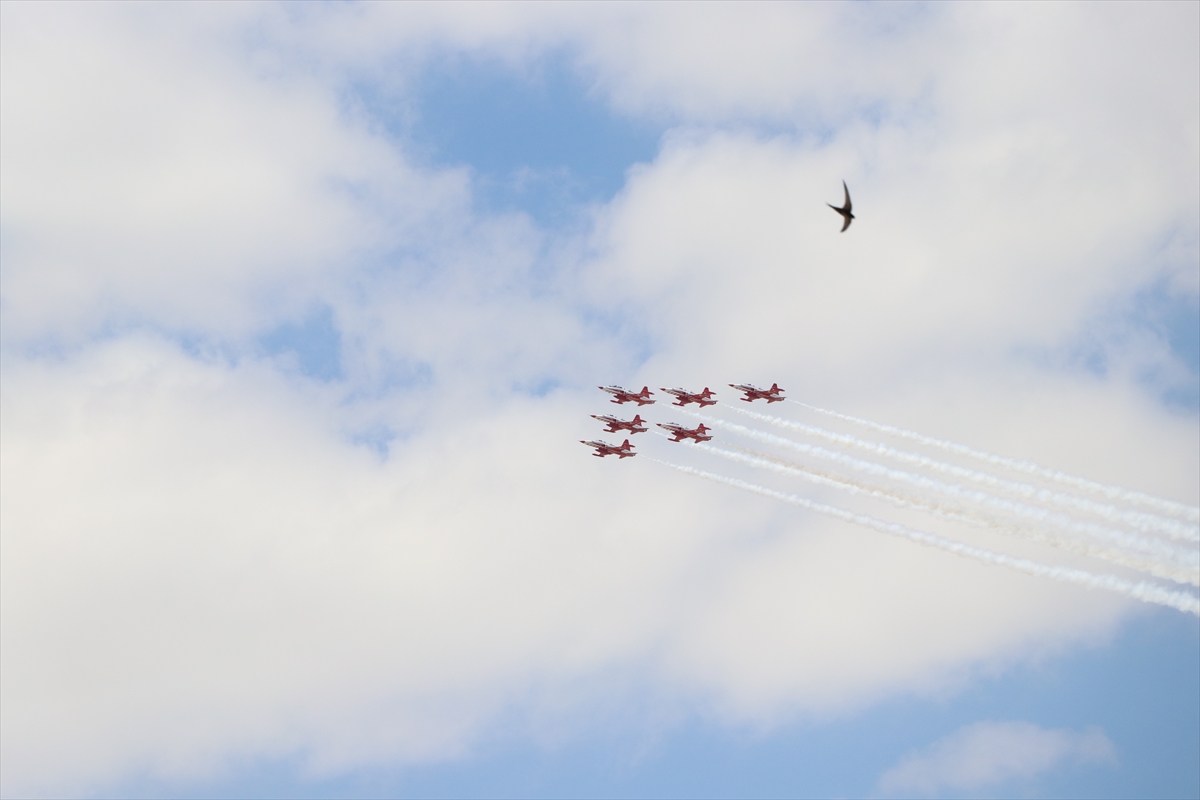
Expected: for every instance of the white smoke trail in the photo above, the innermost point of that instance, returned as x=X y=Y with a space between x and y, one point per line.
x=1189 y=513
x=1153 y=547
x=1141 y=590
x=1139 y=520
x=959 y=514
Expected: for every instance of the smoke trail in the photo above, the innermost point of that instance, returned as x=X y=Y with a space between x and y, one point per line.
x=1139 y=520
x=958 y=514
x=1153 y=547
x=1141 y=590
x=1189 y=513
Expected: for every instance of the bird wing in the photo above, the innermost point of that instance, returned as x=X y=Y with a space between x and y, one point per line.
x=846 y=224
x=847 y=190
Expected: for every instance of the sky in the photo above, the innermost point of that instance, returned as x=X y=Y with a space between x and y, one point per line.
x=303 y=311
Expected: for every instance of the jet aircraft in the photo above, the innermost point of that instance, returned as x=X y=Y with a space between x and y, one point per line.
x=683 y=397
x=633 y=425
x=772 y=395
x=681 y=433
x=620 y=395
x=605 y=449
x=844 y=210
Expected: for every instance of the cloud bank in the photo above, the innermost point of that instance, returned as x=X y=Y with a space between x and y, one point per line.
x=210 y=556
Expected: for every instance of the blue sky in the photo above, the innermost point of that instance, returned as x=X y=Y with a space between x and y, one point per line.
x=330 y=291
x=537 y=143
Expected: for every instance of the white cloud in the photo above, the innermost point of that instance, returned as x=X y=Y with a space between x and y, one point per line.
x=197 y=564
x=155 y=175
x=992 y=753
x=188 y=542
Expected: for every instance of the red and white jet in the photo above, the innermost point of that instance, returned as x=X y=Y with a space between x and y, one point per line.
x=605 y=449
x=772 y=395
x=633 y=425
x=681 y=433
x=683 y=397
x=620 y=395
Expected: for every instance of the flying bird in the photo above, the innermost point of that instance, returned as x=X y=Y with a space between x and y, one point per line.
x=844 y=210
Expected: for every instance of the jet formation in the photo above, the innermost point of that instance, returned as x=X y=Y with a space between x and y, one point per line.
x=683 y=397
x=679 y=433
